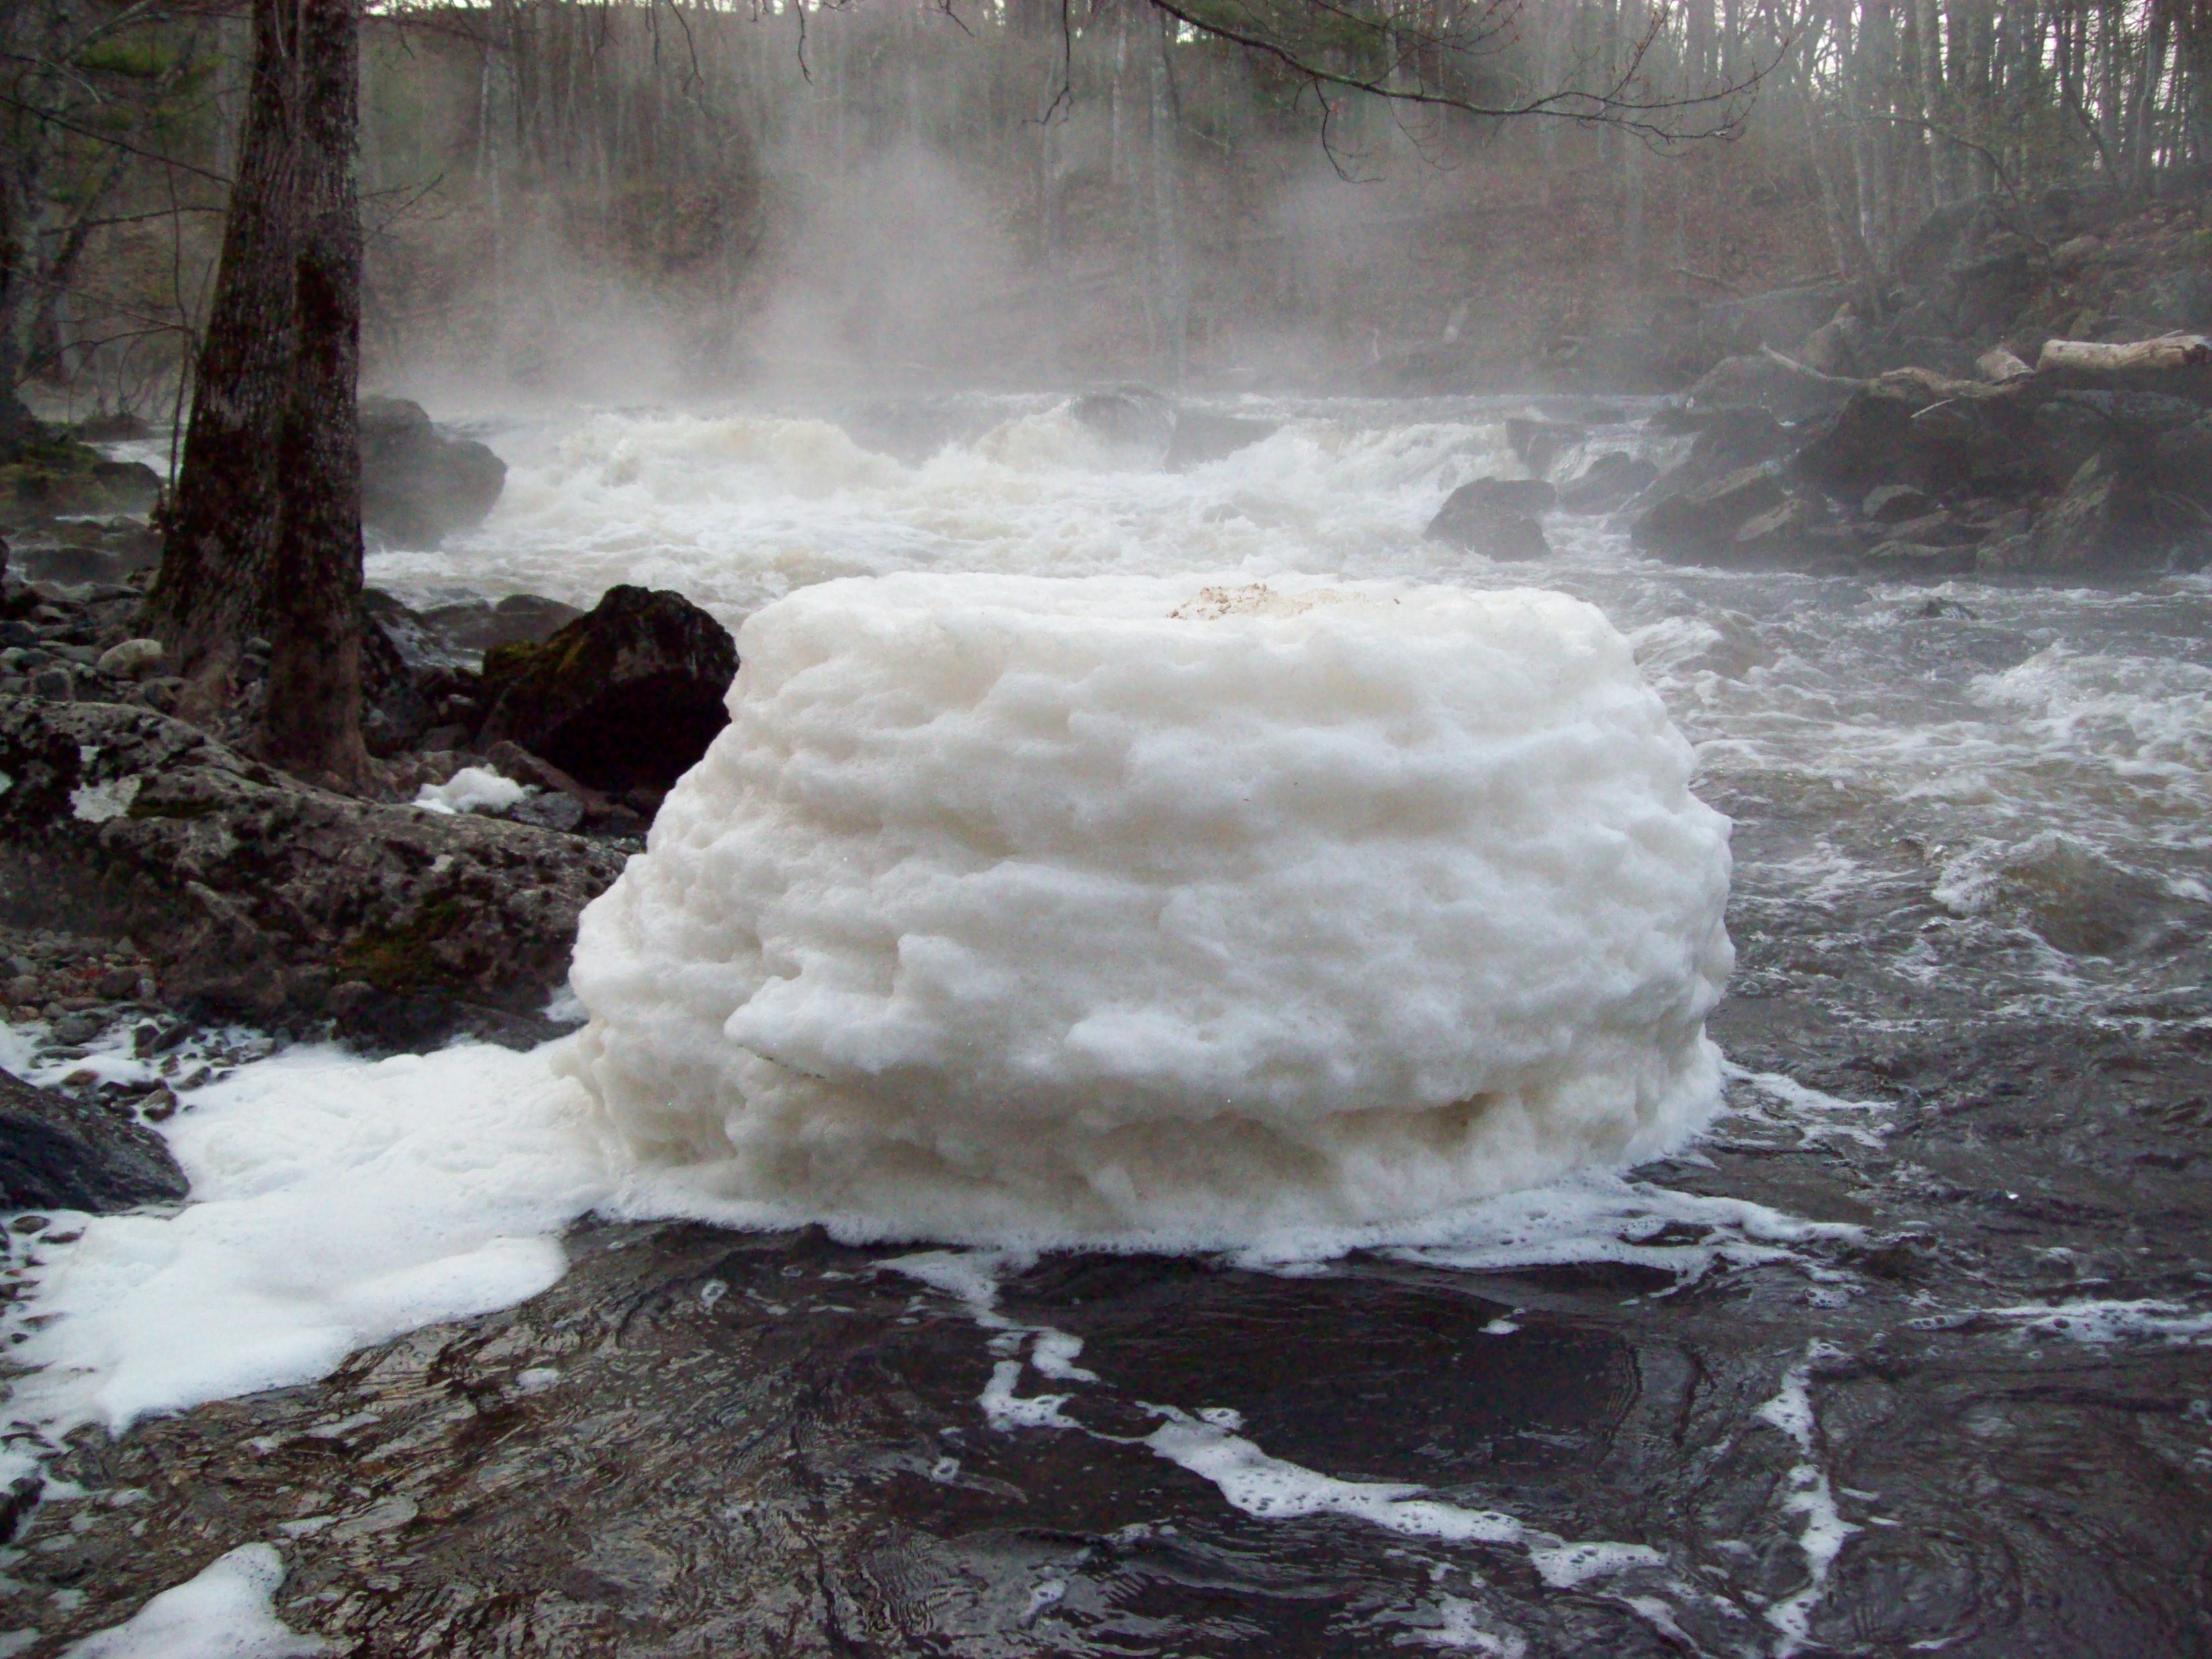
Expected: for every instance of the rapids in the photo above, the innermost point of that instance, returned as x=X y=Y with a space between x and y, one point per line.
x=1907 y=1353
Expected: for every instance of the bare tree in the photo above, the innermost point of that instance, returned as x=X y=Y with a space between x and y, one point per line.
x=264 y=532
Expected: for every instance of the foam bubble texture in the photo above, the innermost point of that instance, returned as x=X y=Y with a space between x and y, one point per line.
x=1119 y=908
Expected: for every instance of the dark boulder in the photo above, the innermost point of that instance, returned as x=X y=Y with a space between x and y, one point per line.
x=1528 y=497
x=58 y=1153
x=627 y=696
x=1492 y=517
x=1794 y=526
x=2181 y=460
x=1610 y=480
x=266 y=898
x=1201 y=435
x=2100 y=523
x=1873 y=438
x=410 y=681
x=418 y=485
x=1703 y=521
x=1129 y=418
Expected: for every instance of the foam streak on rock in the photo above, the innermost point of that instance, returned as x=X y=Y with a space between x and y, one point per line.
x=1034 y=911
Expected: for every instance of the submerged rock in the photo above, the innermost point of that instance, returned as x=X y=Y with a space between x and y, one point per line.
x=262 y=897
x=1201 y=435
x=1539 y=442
x=628 y=696
x=1135 y=417
x=64 y=1154
x=418 y=485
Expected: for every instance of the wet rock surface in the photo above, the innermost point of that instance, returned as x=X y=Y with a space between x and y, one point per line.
x=259 y=894
x=57 y=1152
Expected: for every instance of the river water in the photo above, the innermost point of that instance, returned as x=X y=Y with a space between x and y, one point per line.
x=1909 y=1353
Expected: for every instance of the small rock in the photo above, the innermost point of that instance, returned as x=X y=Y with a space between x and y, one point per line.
x=54 y=684
x=1894 y=503
x=554 y=810
x=133 y=660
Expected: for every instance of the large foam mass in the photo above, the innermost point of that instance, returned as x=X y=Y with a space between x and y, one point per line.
x=1122 y=909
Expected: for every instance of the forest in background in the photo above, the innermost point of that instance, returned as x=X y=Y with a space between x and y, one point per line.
x=607 y=198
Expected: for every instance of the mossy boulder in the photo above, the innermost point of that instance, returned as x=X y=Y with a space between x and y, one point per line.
x=47 y=475
x=627 y=696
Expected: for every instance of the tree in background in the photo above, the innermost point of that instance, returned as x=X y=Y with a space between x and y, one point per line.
x=263 y=534
x=87 y=87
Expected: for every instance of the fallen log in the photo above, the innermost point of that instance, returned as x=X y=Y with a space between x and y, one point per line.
x=2177 y=363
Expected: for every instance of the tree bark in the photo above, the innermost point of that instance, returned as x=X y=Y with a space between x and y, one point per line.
x=264 y=532
x=311 y=721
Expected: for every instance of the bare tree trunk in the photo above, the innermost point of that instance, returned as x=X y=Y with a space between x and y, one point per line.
x=222 y=532
x=266 y=529
x=2149 y=74
x=311 y=721
x=1117 y=155
x=1943 y=169
x=1167 y=214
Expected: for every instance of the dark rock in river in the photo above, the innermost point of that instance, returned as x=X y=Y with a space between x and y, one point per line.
x=1201 y=436
x=418 y=485
x=57 y=1153
x=261 y=894
x=1701 y=521
x=628 y=696
x=1610 y=480
x=2096 y=522
x=1134 y=417
x=1493 y=517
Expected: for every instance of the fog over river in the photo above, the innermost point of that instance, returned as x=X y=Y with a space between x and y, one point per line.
x=1907 y=1353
